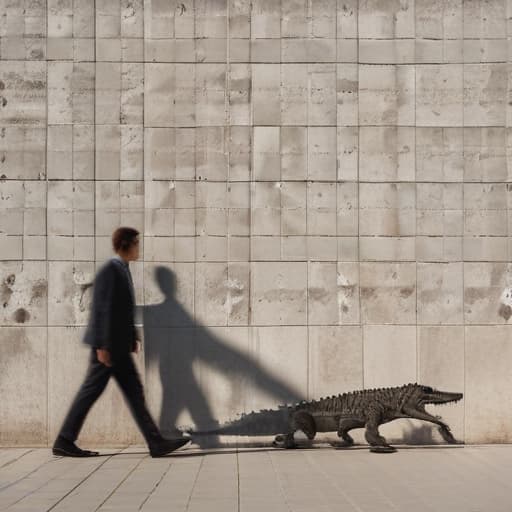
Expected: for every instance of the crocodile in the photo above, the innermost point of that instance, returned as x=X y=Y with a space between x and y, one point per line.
x=341 y=413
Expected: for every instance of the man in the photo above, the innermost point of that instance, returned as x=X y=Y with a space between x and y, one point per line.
x=112 y=335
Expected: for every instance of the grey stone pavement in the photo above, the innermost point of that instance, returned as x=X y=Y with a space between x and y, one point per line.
x=426 y=478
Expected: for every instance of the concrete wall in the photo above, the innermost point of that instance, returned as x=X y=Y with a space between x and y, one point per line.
x=329 y=183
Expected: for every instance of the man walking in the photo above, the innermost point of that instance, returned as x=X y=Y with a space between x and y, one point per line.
x=112 y=335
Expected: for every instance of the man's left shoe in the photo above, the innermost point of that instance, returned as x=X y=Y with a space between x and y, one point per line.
x=167 y=446
x=64 y=448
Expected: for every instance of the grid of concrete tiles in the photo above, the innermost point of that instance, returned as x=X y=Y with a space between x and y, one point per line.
x=329 y=180
x=423 y=479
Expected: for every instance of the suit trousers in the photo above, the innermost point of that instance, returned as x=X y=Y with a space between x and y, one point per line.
x=125 y=373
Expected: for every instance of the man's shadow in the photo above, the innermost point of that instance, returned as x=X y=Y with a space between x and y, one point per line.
x=174 y=341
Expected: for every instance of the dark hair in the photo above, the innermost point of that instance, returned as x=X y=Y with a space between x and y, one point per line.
x=123 y=238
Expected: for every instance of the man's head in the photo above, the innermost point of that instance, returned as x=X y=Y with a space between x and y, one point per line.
x=125 y=242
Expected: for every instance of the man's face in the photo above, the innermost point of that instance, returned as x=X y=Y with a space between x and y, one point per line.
x=133 y=252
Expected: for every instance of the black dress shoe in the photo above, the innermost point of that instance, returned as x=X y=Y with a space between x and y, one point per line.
x=65 y=448
x=167 y=446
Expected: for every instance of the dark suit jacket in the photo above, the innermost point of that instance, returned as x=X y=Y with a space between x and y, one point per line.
x=111 y=321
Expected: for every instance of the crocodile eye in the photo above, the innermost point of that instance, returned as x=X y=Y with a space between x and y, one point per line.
x=427 y=389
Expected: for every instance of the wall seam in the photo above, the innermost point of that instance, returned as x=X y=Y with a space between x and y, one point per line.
x=46 y=243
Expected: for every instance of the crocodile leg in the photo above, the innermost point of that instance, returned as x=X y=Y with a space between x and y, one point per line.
x=444 y=429
x=345 y=425
x=375 y=440
x=300 y=420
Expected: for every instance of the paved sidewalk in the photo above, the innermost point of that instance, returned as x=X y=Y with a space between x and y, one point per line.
x=320 y=479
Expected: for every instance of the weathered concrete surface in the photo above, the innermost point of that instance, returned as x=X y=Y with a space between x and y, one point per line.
x=324 y=190
x=423 y=479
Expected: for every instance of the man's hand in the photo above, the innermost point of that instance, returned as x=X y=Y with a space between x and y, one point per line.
x=137 y=346
x=103 y=356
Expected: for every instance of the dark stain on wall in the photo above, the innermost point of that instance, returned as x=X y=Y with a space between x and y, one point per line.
x=505 y=311
x=407 y=292
x=21 y=315
x=6 y=289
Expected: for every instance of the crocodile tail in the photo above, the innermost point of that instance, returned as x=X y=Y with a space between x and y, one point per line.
x=262 y=423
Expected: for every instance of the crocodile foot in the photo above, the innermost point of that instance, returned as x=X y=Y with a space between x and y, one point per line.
x=382 y=449
x=341 y=444
x=282 y=441
x=447 y=435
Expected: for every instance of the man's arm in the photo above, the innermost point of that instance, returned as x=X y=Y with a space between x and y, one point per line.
x=103 y=302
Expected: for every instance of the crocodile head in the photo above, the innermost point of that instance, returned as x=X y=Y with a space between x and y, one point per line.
x=418 y=396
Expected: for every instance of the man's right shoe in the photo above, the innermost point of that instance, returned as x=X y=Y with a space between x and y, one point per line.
x=167 y=446
x=64 y=448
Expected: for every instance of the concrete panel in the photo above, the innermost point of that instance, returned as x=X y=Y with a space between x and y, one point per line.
x=108 y=93
x=322 y=94
x=24 y=93
x=239 y=153
x=486 y=248
x=293 y=208
x=347 y=200
x=347 y=19
x=265 y=50
x=387 y=209
x=377 y=106
x=333 y=293
x=23 y=384
x=441 y=366
x=265 y=208
x=439 y=19
x=389 y=354
x=321 y=209
x=294 y=94
x=281 y=354
x=23 y=152
x=387 y=248
x=322 y=153
x=266 y=157
x=439 y=209
x=484 y=286
x=439 y=95
x=211 y=159
x=388 y=293
x=485 y=154
x=487 y=374
x=24 y=293
x=386 y=154
x=210 y=97
x=440 y=291
x=485 y=97
x=159 y=94
x=348 y=153
x=308 y=50
x=265 y=89
x=69 y=292
x=439 y=154
x=294 y=152
x=485 y=209
x=265 y=19
x=239 y=94
x=335 y=360
x=239 y=18
x=492 y=25
x=393 y=51
x=386 y=20
x=278 y=293
x=445 y=51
